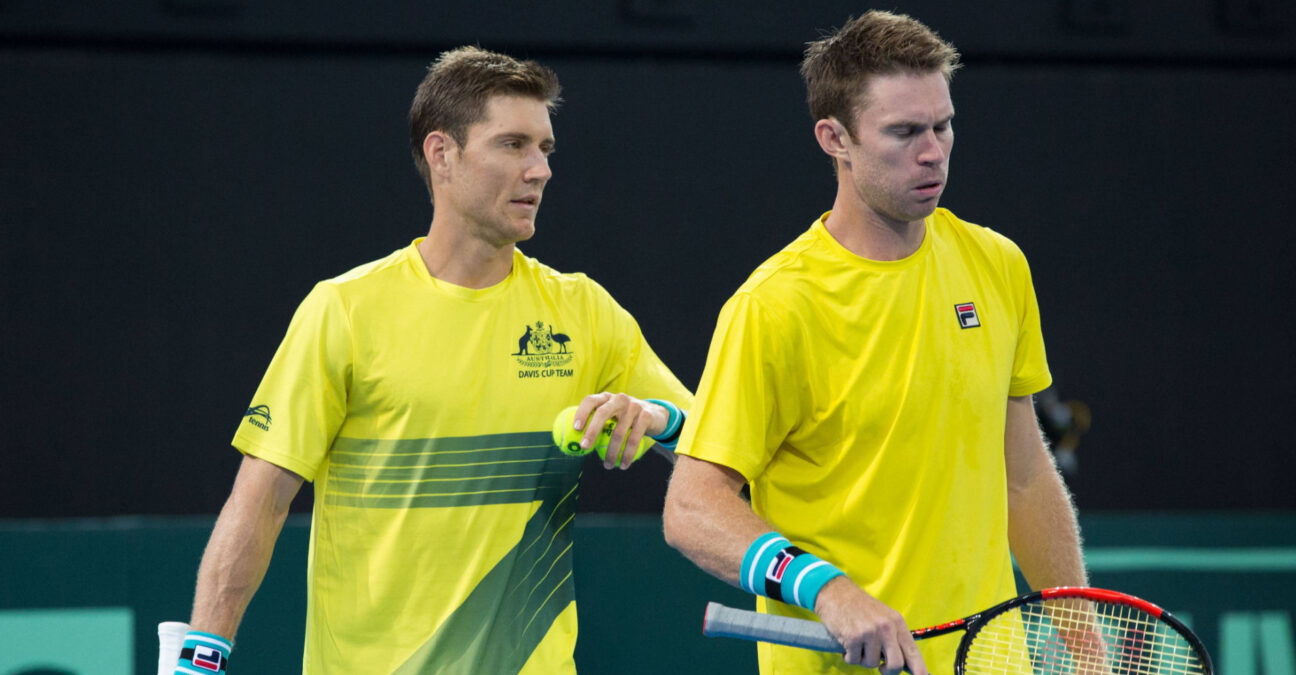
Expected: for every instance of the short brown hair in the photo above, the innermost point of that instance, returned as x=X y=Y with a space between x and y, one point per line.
x=836 y=69
x=459 y=84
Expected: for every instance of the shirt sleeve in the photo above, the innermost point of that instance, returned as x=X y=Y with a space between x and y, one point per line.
x=1030 y=364
x=629 y=363
x=747 y=401
x=302 y=400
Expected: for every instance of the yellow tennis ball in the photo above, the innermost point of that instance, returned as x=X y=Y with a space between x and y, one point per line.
x=568 y=439
x=565 y=437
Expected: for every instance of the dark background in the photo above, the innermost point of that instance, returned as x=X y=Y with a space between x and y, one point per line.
x=176 y=174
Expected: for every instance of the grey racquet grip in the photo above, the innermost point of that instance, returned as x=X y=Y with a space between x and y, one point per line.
x=721 y=621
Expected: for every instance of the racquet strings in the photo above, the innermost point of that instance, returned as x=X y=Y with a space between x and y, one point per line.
x=1077 y=636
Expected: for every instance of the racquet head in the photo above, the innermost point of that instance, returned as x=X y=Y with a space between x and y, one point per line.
x=1078 y=631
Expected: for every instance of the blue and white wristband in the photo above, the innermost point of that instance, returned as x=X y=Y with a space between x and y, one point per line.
x=669 y=437
x=203 y=654
x=776 y=569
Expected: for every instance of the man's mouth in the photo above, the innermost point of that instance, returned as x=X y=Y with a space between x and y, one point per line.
x=929 y=189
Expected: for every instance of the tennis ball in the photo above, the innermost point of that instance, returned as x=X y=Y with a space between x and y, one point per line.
x=568 y=439
x=565 y=437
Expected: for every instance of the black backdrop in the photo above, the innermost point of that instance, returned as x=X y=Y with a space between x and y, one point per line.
x=175 y=175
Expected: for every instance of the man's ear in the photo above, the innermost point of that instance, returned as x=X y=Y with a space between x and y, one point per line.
x=436 y=146
x=833 y=137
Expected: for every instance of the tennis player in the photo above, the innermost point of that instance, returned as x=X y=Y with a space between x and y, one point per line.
x=872 y=384
x=417 y=393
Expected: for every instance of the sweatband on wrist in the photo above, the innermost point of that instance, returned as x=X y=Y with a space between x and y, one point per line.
x=776 y=569
x=674 y=423
x=203 y=654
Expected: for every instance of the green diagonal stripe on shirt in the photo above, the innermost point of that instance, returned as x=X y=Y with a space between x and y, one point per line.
x=499 y=625
x=441 y=472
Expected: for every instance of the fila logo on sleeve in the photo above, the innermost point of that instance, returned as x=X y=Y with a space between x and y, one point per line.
x=967 y=315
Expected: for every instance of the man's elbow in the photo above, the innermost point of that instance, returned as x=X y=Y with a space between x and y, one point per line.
x=673 y=526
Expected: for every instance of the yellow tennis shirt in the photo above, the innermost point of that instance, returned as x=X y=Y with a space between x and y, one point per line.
x=441 y=533
x=865 y=403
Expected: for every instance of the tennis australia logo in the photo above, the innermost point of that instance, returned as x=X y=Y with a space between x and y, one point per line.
x=259 y=416
x=967 y=315
x=543 y=352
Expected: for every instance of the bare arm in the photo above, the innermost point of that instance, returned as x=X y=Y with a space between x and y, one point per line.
x=241 y=545
x=708 y=521
x=1042 y=527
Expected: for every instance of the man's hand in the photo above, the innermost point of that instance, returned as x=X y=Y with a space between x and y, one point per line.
x=873 y=634
x=634 y=418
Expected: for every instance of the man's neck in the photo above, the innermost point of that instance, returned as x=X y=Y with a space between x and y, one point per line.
x=454 y=258
x=868 y=235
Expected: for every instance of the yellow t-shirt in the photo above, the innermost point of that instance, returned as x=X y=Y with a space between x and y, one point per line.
x=441 y=535
x=865 y=403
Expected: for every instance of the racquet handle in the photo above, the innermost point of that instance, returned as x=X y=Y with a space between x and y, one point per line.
x=721 y=621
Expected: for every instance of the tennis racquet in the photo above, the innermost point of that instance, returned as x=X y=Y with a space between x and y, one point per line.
x=1062 y=631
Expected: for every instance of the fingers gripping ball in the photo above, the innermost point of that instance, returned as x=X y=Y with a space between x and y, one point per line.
x=568 y=438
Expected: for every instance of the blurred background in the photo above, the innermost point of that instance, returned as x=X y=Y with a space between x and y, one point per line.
x=175 y=175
